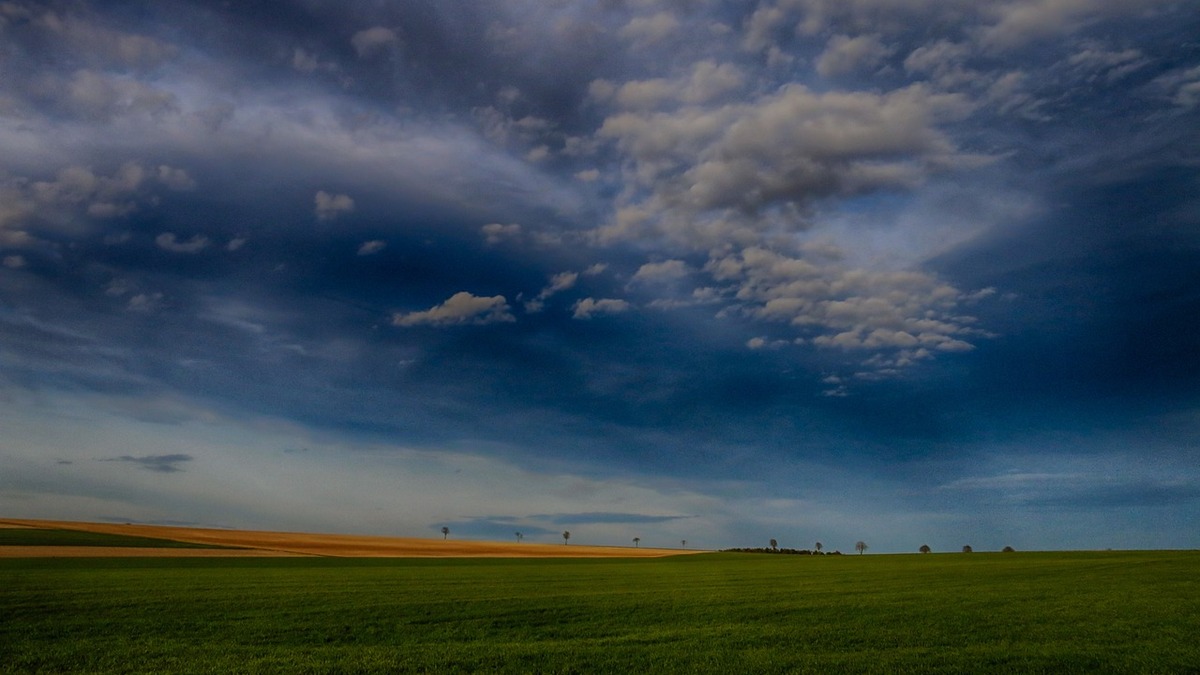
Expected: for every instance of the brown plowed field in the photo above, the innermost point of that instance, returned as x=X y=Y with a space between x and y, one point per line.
x=299 y=543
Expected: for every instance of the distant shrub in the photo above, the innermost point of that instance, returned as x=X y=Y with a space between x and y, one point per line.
x=775 y=551
x=1008 y=549
x=968 y=549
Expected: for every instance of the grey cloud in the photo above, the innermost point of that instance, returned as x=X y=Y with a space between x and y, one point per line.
x=330 y=206
x=608 y=517
x=168 y=242
x=157 y=463
x=77 y=197
x=105 y=45
x=372 y=40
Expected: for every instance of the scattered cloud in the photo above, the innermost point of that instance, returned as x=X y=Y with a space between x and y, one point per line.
x=330 y=206
x=371 y=41
x=168 y=242
x=371 y=247
x=494 y=233
x=462 y=308
x=590 y=307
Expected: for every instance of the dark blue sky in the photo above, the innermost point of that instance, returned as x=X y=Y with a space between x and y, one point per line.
x=909 y=273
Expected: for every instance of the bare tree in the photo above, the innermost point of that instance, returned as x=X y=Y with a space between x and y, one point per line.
x=636 y=542
x=683 y=543
x=924 y=548
x=819 y=546
x=774 y=545
x=968 y=549
x=445 y=533
x=566 y=537
x=519 y=536
x=860 y=547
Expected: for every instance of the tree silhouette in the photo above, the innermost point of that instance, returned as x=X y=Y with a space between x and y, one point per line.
x=445 y=533
x=819 y=546
x=566 y=537
x=1008 y=549
x=924 y=548
x=683 y=543
x=967 y=549
x=636 y=541
x=774 y=545
x=860 y=547
x=519 y=536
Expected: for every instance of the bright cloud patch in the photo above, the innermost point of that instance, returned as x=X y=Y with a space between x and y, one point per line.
x=461 y=308
x=590 y=307
x=330 y=206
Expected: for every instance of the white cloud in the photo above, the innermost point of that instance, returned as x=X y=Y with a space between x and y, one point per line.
x=103 y=46
x=103 y=97
x=1020 y=21
x=78 y=187
x=589 y=307
x=899 y=317
x=330 y=206
x=1181 y=86
x=649 y=30
x=371 y=247
x=559 y=282
x=167 y=242
x=305 y=62
x=175 y=179
x=145 y=302
x=494 y=233
x=14 y=262
x=711 y=172
x=1113 y=63
x=372 y=40
x=707 y=81
x=761 y=27
x=462 y=308
x=667 y=270
x=844 y=54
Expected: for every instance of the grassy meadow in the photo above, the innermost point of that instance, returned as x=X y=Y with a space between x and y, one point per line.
x=1126 y=612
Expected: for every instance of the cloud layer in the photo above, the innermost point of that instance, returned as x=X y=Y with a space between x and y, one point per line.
x=707 y=262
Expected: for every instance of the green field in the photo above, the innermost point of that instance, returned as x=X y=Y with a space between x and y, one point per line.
x=28 y=536
x=1119 y=612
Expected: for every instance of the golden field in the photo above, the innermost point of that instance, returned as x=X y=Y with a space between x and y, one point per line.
x=251 y=542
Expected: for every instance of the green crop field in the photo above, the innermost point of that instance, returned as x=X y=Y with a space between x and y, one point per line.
x=21 y=536
x=1118 y=612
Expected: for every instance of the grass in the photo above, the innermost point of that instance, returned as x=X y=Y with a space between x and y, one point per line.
x=46 y=537
x=1117 y=612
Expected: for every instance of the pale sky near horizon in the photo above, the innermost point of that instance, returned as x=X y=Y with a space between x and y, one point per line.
x=921 y=272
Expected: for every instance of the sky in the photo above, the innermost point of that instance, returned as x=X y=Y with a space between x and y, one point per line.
x=896 y=271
